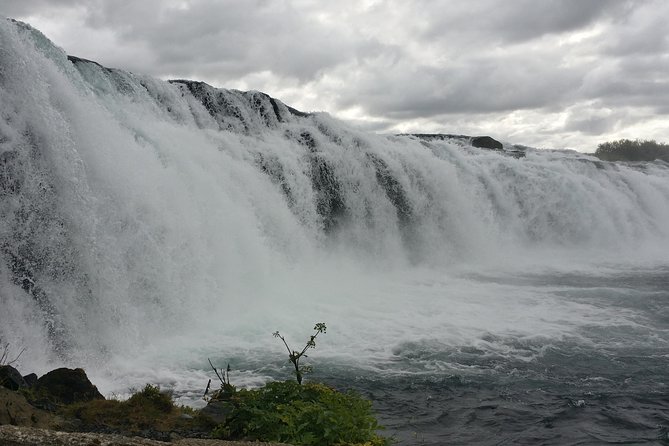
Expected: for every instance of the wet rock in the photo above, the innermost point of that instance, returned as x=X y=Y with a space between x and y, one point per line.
x=217 y=411
x=330 y=203
x=486 y=142
x=67 y=386
x=482 y=142
x=11 y=173
x=393 y=189
x=11 y=378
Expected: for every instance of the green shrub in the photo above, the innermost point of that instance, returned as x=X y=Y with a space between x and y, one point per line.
x=628 y=150
x=312 y=414
x=150 y=398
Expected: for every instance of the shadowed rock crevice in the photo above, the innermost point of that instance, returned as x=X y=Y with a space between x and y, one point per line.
x=35 y=242
x=330 y=203
x=222 y=105
x=271 y=166
x=393 y=189
x=239 y=111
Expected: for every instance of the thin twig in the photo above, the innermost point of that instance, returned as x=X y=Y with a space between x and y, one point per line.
x=216 y=371
x=5 y=355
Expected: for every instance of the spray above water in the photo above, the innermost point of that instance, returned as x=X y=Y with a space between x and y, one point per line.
x=145 y=221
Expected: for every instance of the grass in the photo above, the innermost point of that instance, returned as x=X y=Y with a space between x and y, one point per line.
x=147 y=410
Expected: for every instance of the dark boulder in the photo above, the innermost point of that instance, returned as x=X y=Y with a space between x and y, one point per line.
x=11 y=378
x=486 y=142
x=67 y=386
x=217 y=411
x=30 y=379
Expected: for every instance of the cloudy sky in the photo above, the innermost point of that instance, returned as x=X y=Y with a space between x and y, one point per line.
x=545 y=73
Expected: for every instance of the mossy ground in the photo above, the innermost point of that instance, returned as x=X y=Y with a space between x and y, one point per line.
x=149 y=412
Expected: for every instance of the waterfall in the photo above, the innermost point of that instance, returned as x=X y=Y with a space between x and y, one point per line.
x=133 y=208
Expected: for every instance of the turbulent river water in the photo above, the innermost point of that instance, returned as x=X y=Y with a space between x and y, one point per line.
x=475 y=296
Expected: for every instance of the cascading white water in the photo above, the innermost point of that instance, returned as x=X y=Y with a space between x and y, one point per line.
x=147 y=224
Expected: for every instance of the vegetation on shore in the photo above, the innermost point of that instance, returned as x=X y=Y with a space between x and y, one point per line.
x=149 y=412
x=632 y=150
x=284 y=411
x=290 y=412
x=309 y=414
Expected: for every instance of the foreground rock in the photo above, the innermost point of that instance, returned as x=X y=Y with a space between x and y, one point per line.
x=11 y=378
x=16 y=410
x=27 y=436
x=67 y=386
x=64 y=408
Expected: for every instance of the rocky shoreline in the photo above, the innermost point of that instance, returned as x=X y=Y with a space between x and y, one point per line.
x=31 y=436
x=63 y=407
x=43 y=412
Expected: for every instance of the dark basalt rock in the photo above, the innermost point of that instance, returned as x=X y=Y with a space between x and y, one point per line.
x=35 y=245
x=11 y=174
x=266 y=107
x=76 y=60
x=393 y=189
x=30 y=379
x=271 y=166
x=307 y=140
x=67 y=386
x=486 y=142
x=330 y=203
x=11 y=378
x=436 y=136
x=217 y=411
x=482 y=142
x=237 y=110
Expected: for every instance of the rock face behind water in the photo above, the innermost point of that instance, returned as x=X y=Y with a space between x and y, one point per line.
x=486 y=142
x=67 y=386
x=482 y=142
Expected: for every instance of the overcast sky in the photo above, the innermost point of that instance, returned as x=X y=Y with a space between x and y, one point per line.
x=545 y=73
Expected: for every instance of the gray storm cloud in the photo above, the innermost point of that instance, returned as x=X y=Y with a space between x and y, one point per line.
x=554 y=73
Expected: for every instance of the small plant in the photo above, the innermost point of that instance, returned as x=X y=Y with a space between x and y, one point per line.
x=294 y=356
x=5 y=354
x=226 y=389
